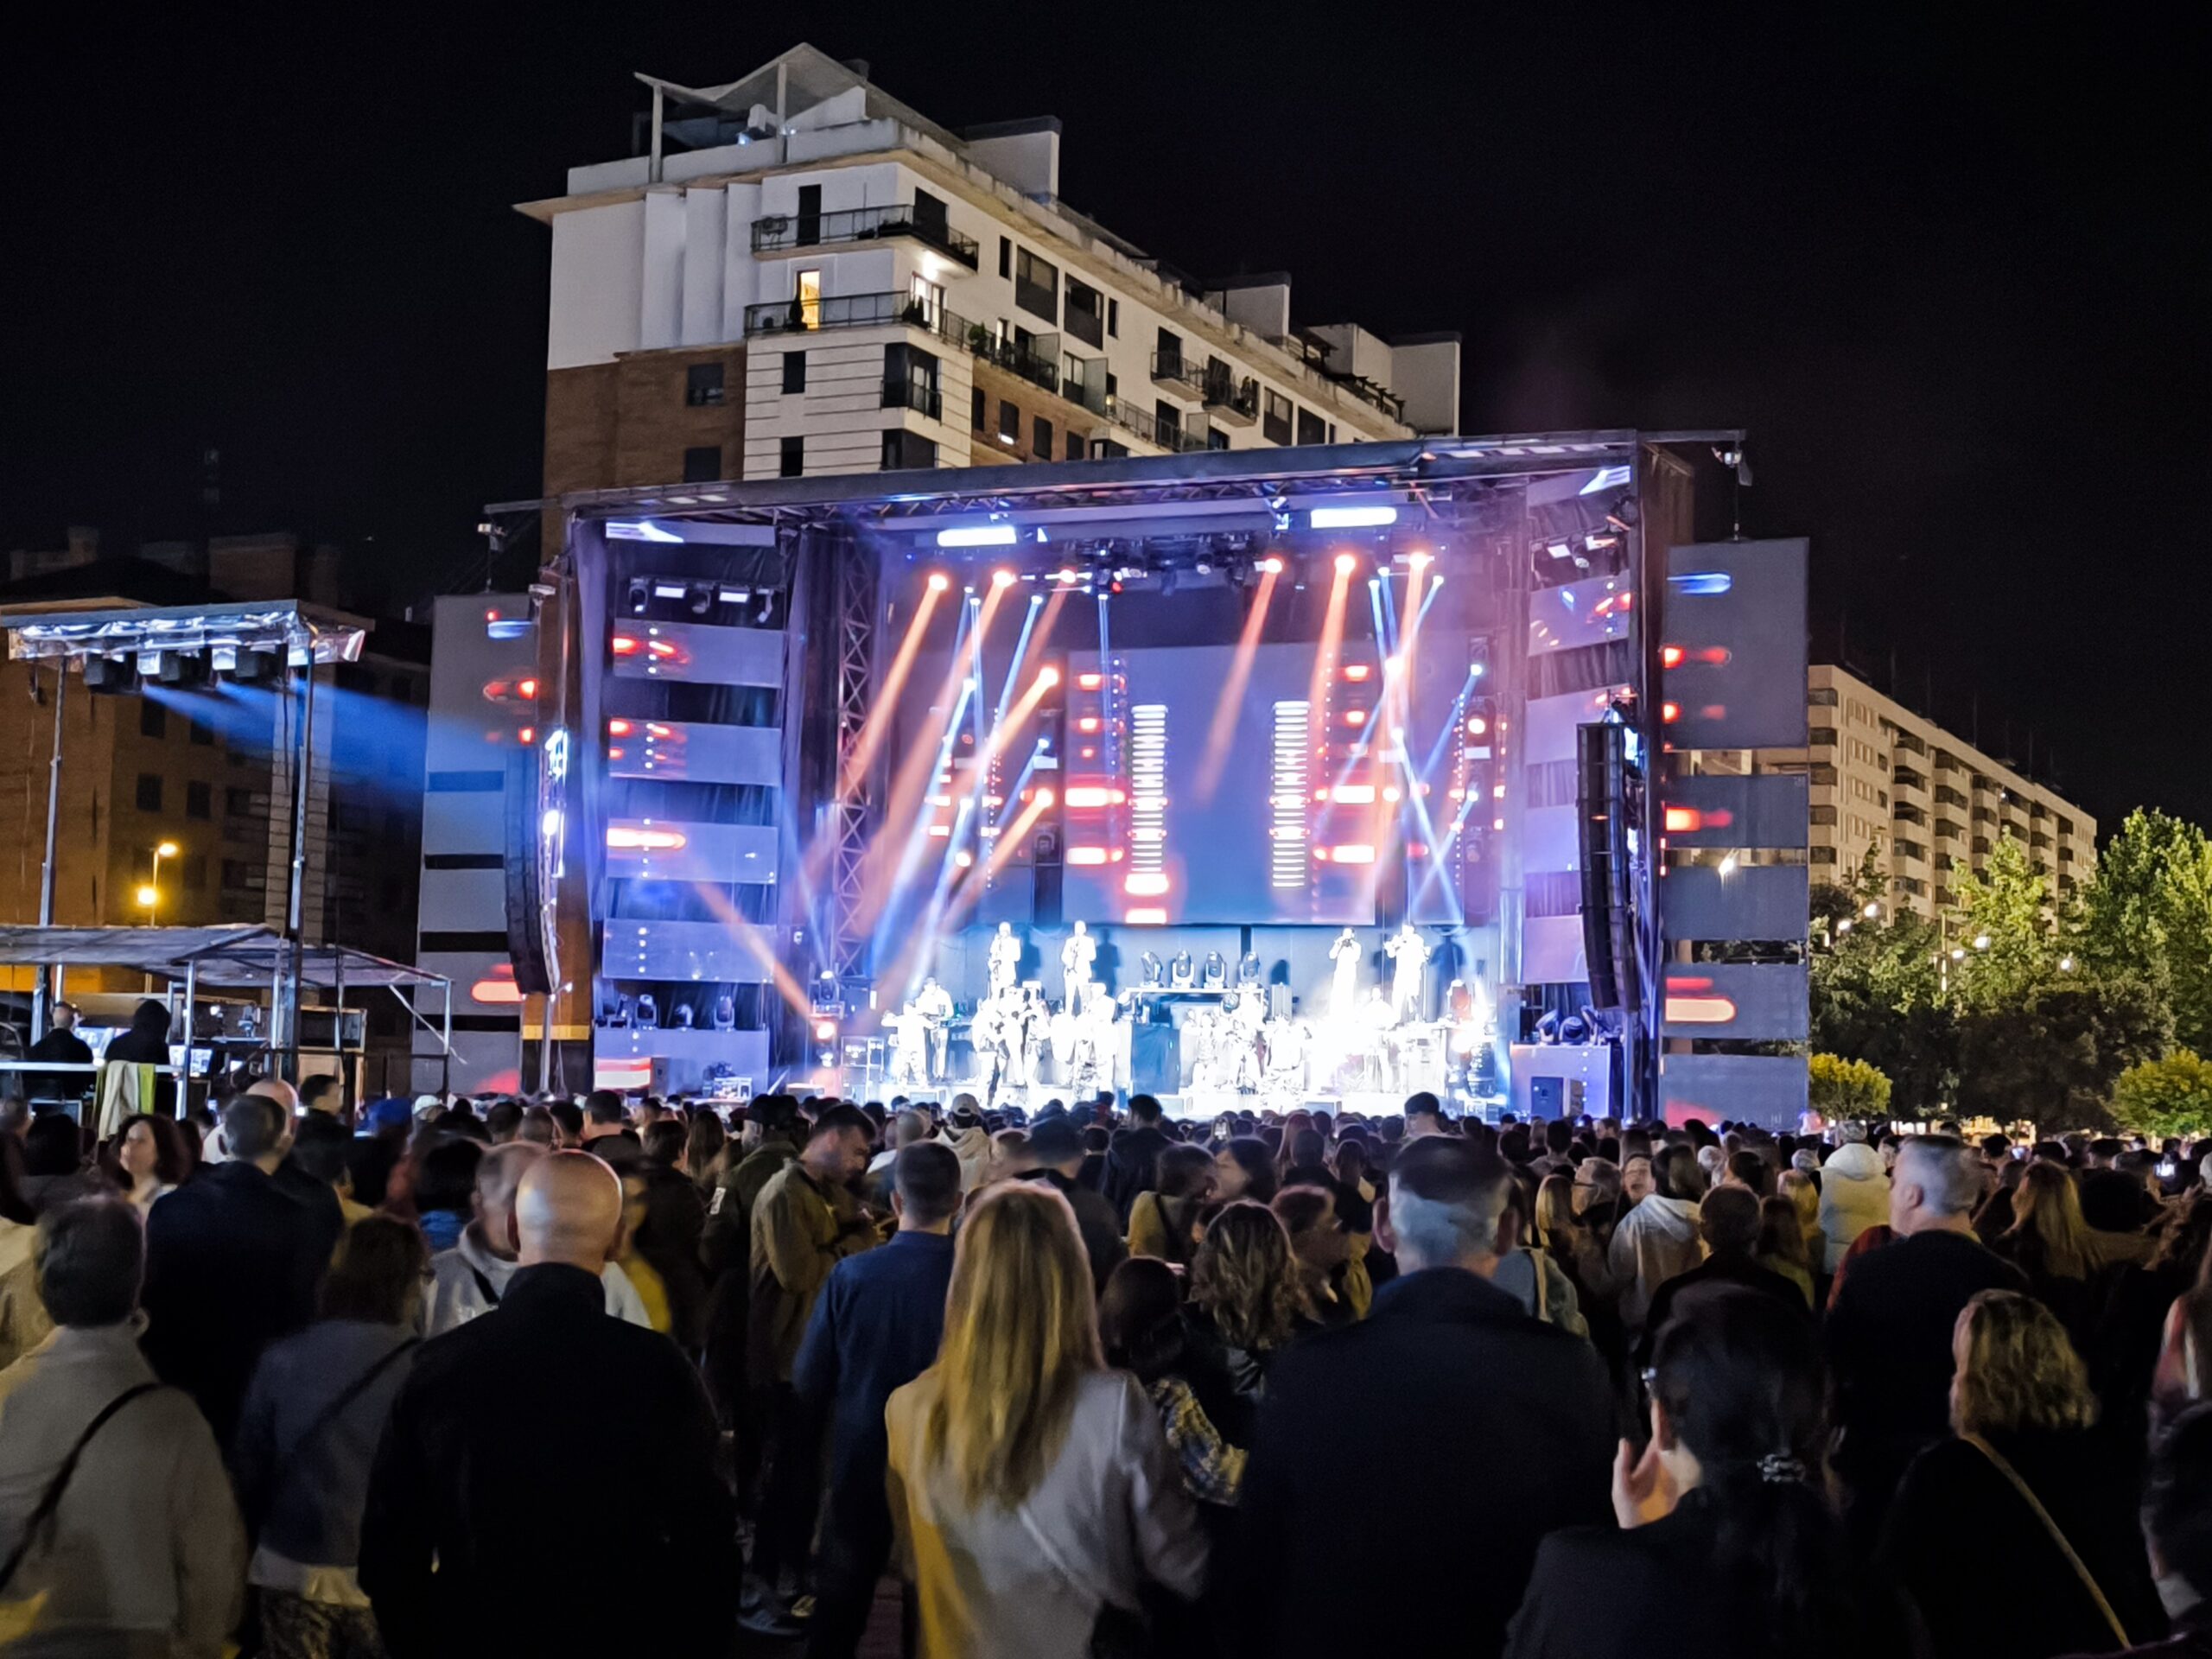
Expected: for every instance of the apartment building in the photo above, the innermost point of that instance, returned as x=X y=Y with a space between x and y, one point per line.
x=1885 y=777
x=804 y=276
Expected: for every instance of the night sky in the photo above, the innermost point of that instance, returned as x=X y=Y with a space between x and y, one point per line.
x=1955 y=281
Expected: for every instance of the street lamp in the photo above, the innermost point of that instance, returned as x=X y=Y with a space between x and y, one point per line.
x=149 y=896
x=151 y=892
x=1873 y=909
x=1981 y=941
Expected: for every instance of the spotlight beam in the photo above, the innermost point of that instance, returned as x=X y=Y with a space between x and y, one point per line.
x=886 y=695
x=1232 y=691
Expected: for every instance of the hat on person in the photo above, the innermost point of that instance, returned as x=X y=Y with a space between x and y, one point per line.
x=425 y=1105
x=390 y=1113
x=1053 y=1139
x=1851 y=1133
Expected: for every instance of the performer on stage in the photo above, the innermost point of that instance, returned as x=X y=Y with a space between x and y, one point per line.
x=1075 y=958
x=910 y=1035
x=1376 y=1017
x=934 y=1004
x=1343 y=989
x=1006 y=959
x=1409 y=952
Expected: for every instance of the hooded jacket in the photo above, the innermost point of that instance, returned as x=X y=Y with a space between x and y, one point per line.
x=1653 y=1242
x=1854 y=1195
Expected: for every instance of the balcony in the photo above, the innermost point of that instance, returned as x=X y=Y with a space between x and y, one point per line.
x=1911 y=851
x=1179 y=372
x=1907 y=813
x=783 y=232
x=1025 y=361
x=1908 y=741
x=1906 y=778
x=1142 y=427
x=904 y=391
x=797 y=316
x=1947 y=831
x=1233 y=401
x=1946 y=796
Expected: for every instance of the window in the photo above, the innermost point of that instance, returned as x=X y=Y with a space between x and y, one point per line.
x=150 y=792
x=1086 y=312
x=1075 y=446
x=153 y=719
x=238 y=802
x=979 y=407
x=1217 y=437
x=235 y=874
x=810 y=298
x=1114 y=318
x=1168 y=420
x=791 y=459
x=1311 y=428
x=1036 y=286
x=195 y=873
x=702 y=385
x=1040 y=437
x=794 y=372
x=702 y=464
x=199 y=801
x=1006 y=258
x=1009 y=422
x=1274 y=420
x=903 y=450
x=203 y=735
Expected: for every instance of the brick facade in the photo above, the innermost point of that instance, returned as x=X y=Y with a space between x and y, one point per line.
x=629 y=422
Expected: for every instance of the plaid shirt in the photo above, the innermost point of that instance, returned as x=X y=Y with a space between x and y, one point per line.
x=1212 y=1469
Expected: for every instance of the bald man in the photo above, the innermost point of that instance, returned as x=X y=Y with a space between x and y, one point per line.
x=480 y=1466
x=469 y=1279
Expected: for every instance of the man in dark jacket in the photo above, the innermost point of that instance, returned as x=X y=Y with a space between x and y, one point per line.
x=1133 y=1156
x=465 y=1501
x=1448 y=1402
x=1056 y=1156
x=876 y=1327
x=769 y=1140
x=1888 y=1329
x=233 y=1262
x=1728 y=1222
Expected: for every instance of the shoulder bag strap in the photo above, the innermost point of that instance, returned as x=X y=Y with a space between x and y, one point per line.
x=331 y=1413
x=2027 y=1496
x=483 y=1280
x=51 y=1499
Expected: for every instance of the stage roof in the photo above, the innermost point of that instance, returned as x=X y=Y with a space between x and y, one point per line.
x=236 y=956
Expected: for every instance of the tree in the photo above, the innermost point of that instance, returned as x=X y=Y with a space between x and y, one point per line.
x=2148 y=909
x=2054 y=1053
x=1876 y=990
x=2162 y=1097
x=2001 y=917
x=1840 y=1089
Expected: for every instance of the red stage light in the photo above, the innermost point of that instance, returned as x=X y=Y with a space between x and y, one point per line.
x=1346 y=564
x=1698 y=1010
x=526 y=687
x=1670 y=656
x=1670 y=712
x=1357 y=671
x=620 y=728
x=1089 y=681
x=622 y=838
x=625 y=645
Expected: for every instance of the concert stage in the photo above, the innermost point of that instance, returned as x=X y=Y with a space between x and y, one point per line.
x=1236 y=777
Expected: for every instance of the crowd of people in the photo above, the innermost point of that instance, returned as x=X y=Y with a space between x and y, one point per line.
x=455 y=1376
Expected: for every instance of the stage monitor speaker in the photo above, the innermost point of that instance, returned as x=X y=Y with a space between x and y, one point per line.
x=1608 y=918
x=526 y=939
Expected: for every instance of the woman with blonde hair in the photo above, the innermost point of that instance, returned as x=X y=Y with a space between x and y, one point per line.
x=1248 y=1298
x=2017 y=1537
x=1031 y=1490
x=2049 y=1242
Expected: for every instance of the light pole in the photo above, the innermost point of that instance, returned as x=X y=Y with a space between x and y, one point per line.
x=150 y=894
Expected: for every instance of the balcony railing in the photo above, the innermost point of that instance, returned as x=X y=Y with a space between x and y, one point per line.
x=780 y=232
x=795 y=316
x=903 y=391
x=1231 y=399
x=1177 y=440
x=1032 y=367
x=1181 y=370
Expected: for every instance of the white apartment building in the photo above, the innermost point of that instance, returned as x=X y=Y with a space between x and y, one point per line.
x=1885 y=777
x=804 y=276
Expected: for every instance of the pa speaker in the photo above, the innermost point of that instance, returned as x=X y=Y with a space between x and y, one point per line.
x=111 y=675
x=525 y=932
x=1608 y=915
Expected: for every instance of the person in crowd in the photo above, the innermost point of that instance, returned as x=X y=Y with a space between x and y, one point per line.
x=567 y=1125
x=137 y=1547
x=1056 y=1155
x=146 y=1042
x=805 y=1223
x=1167 y=1221
x=1247 y=1301
x=1353 y=1165
x=1033 y=1495
x=1803 y=1192
x=307 y=1435
x=1244 y=1169
x=469 y=1279
x=1425 y=1116
x=319 y=1148
x=1141 y=1324
x=667 y=1227
x=61 y=1045
x=1728 y=1224
x=971 y=1142
x=1133 y=1155
x=149 y=1159
x=233 y=1262
x=1724 y=1547
x=503 y=1121
x=2018 y=1535
x=604 y=1115
x=444 y=1189
x=1638 y=1182
x=2178 y=1529
x=537 y=1128
x=53 y=1162
x=2050 y=1244
x=1320 y=1244
x=1658 y=1238
x=1854 y=1194
x=909 y=1128
x=322 y=1093
x=1010 y=1155
x=376 y=1150
x=23 y=1322
x=1506 y=1406
x=463 y=1500
x=1782 y=1247
x=1527 y=1272
x=1890 y=1326
x=875 y=1328
x=768 y=1142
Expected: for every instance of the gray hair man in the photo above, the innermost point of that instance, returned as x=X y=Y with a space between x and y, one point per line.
x=469 y=1279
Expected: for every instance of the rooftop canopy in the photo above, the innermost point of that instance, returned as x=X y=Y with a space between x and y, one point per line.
x=238 y=956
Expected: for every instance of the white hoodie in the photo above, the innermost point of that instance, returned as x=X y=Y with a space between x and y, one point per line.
x=1654 y=1241
x=460 y=1277
x=1854 y=1195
